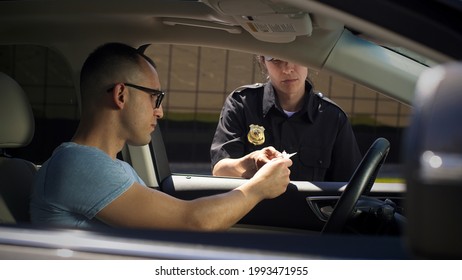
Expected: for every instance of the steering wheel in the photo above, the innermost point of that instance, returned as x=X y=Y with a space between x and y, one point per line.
x=360 y=183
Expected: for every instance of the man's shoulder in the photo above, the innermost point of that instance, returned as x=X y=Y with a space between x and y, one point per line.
x=72 y=153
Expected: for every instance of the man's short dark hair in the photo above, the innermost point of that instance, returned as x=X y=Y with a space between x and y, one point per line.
x=107 y=59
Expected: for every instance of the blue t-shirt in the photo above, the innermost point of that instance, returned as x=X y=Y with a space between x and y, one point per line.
x=76 y=183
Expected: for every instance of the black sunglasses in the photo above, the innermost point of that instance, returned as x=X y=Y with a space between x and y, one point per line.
x=153 y=92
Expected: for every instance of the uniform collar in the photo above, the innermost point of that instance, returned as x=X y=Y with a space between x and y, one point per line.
x=270 y=101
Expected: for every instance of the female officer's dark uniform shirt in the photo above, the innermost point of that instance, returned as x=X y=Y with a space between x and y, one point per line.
x=320 y=133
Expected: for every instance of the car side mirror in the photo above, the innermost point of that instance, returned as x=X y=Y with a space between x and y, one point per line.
x=433 y=164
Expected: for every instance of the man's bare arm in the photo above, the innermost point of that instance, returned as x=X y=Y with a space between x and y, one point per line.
x=142 y=207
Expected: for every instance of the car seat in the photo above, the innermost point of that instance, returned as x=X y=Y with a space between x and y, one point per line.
x=16 y=130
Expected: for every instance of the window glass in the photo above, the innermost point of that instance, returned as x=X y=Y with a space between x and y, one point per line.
x=198 y=79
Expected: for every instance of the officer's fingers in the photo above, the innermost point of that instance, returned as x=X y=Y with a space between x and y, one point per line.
x=271 y=152
x=286 y=161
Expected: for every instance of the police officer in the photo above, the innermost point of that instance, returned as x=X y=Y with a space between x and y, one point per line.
x=260 y=121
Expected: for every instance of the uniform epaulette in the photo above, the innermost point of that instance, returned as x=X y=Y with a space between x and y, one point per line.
x=241 y=88
x=325 y=98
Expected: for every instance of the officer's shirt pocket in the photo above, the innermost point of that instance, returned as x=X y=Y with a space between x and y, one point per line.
x=315 y=161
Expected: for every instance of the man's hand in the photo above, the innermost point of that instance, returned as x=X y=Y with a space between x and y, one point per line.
x=273 y=178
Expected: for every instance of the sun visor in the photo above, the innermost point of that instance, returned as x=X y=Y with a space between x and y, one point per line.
x=265 y=20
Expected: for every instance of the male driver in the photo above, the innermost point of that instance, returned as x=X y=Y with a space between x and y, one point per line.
x=83 y=184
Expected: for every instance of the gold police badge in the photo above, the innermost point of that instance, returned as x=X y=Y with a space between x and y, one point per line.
x=256 y=134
